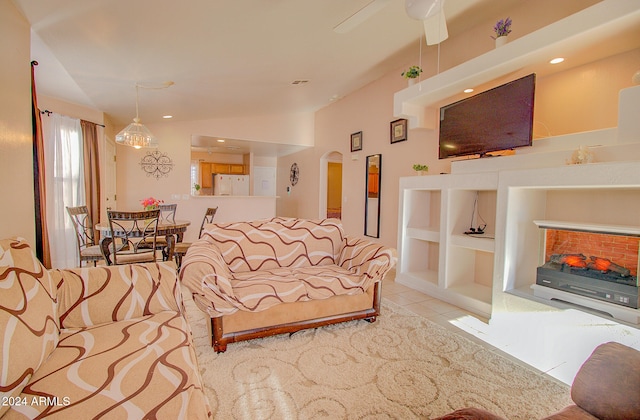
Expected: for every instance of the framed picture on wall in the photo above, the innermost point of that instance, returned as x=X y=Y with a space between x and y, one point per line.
x=356 y=141
x=398 y=130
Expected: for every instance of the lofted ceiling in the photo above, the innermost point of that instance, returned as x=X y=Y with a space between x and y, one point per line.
x=226 y=58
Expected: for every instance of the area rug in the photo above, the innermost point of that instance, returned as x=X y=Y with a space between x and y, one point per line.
x=402 y=366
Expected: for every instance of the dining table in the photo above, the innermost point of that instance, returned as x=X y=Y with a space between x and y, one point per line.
x=173 y=231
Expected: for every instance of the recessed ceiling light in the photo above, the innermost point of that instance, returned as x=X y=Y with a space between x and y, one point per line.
x=468 y=90
x=167 y=117
x=557 y=60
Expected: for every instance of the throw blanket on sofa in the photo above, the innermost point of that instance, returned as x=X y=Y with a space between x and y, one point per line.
x=253 y=266
x=96 y=342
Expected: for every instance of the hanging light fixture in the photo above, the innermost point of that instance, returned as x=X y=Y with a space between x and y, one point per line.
x=135 y=134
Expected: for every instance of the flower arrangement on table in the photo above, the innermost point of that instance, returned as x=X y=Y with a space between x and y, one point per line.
x=502 y=28
x=151 y=203
x=412 y=72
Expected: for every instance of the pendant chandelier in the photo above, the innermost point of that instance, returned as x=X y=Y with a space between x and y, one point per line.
x=135 y=134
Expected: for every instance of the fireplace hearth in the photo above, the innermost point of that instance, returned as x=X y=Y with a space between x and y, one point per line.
x=599 y=265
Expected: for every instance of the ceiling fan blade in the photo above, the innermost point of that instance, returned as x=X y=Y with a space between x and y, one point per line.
x=435 y=28
x=431 y=13
x=360 y=16
x=422 y=9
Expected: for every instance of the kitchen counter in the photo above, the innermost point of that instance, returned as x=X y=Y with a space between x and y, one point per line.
x=233 y=196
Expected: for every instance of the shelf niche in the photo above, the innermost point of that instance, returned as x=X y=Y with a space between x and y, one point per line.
x=596 y=196
x=436 y=257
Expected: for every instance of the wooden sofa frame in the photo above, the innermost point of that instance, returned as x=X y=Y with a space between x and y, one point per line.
x=220 y=338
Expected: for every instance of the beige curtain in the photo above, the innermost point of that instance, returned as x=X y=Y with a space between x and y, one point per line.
x=91 y=169
x=42 y=234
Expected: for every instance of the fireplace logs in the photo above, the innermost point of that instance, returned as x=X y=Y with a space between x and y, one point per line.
x=604 y=265
x=596 y=263
x=572 y=260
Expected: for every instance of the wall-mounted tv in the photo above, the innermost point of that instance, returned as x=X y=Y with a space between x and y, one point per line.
x=497 y=119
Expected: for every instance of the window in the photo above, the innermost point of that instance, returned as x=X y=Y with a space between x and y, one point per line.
x=64 y=183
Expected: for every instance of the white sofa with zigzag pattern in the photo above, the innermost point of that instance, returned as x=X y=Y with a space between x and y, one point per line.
x=97 y=342
x=281 y=275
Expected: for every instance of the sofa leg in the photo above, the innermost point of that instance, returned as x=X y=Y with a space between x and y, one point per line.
x=371 y=319
x=215 y=332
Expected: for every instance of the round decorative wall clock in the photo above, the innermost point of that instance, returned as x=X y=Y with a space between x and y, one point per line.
x=294 y=174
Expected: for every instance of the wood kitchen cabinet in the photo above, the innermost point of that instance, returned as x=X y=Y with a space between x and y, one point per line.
x=236 y=169
x=208 y=168
x=205 y=175
x=220 y=168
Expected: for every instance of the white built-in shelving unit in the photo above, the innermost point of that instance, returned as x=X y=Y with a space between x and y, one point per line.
x=421 y=209
x=436 y=257
x=474 y=272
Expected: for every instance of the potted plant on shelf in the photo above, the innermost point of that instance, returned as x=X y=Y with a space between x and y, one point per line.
x=421 y=169
x=196 y=189
x=502 y=28
x=411 y=74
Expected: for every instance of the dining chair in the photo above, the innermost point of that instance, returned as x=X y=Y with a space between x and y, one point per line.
x=167 y=216
x=181 y=248
x=134 y=235
x=167 y=213
x=88 y=250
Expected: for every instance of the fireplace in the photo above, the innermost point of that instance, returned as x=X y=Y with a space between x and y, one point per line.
x=599 y=262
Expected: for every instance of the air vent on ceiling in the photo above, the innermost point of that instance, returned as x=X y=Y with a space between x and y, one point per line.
x=299 y=82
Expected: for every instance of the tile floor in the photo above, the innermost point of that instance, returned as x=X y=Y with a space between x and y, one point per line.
x=554 y=342
x=442 y=313
x=422 y=304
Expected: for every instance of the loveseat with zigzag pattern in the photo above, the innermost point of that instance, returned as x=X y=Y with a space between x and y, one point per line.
x=281 y=275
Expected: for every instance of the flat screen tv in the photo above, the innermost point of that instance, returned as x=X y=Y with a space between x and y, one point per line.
x=497 y=119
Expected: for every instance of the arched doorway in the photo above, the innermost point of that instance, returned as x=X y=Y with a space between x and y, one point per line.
x=330 y=185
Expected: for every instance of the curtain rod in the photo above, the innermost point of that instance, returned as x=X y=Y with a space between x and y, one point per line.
x=46 y=111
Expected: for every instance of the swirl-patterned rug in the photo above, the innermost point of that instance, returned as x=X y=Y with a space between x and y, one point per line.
x=402 y=366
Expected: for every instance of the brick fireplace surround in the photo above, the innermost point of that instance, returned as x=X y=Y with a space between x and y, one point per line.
x=619 y=249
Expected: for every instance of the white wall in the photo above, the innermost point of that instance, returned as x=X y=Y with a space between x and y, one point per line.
x=264 y=180
x=70 y=110
x=174 y=140
x=16 y=162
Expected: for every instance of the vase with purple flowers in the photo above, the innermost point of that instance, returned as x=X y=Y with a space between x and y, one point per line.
x=501 y=29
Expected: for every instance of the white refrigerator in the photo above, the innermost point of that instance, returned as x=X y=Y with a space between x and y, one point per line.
x=230 y=184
